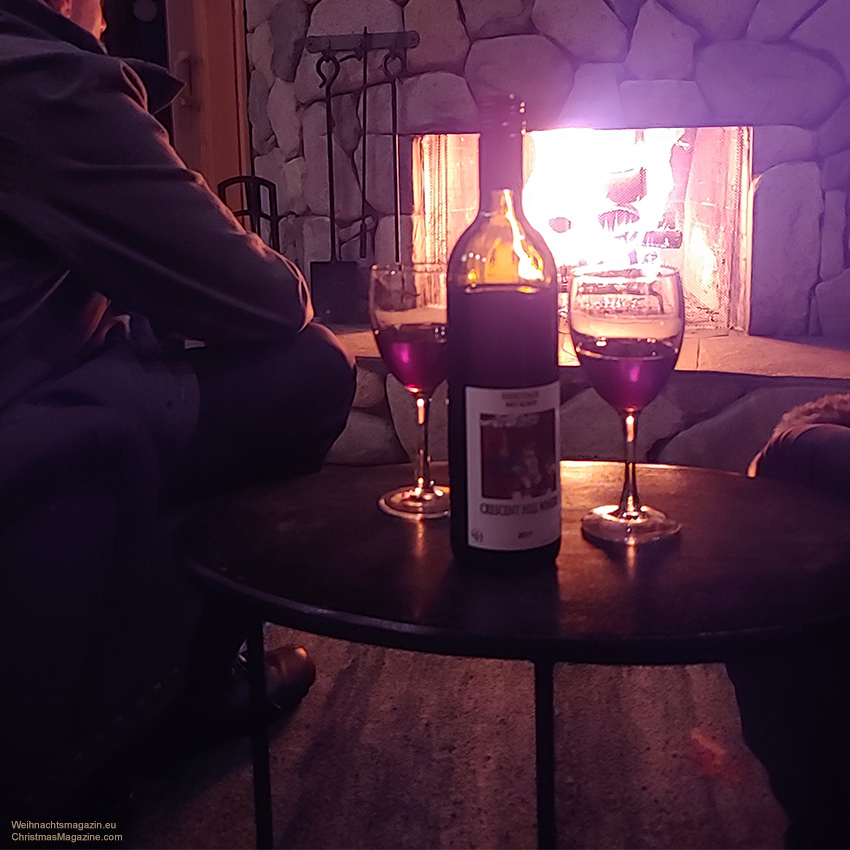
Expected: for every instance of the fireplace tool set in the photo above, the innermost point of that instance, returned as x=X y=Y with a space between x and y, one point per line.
x=335 y=283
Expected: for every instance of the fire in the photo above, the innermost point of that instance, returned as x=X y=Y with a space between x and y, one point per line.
x=594 y=195
x=637 y=197
x=704 y=271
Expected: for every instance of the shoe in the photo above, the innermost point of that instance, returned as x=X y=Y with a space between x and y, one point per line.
x=198 y=721
x=289 y=675
x=204 y=719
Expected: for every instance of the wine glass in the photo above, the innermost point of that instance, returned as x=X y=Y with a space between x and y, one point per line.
x=627 y=327
x=407 y=309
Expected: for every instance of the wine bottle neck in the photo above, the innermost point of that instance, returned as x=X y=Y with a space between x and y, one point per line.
x=499 y=164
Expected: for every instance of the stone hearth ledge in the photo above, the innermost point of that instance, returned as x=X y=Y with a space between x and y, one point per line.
x=717 y=420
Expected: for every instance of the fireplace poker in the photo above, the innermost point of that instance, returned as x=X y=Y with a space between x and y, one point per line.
x=363 y=160
x=333 y=284
x=328 y=82
x=393 y=67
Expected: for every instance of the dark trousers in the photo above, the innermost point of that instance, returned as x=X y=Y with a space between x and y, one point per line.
x=795 y=708
x=794 y=704
x=97 y=622
x=266 y=413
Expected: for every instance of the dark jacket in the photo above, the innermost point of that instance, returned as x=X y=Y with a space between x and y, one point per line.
x=96 y=208
x=99 y=218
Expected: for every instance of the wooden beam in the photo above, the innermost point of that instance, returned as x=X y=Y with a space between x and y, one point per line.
x=206 y=46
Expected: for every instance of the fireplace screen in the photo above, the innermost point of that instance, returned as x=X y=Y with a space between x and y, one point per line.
x=678 y=195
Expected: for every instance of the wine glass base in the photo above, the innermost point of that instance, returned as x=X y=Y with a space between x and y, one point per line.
x=415 y=503
x=603 y=523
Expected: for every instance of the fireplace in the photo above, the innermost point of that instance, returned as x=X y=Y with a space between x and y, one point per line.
x=621 y=197
x=685 y=66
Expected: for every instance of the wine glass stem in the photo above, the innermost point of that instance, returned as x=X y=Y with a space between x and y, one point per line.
x=424 y=482
x=629 y=502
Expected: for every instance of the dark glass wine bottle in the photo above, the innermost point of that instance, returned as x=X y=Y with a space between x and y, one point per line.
x=504 y=393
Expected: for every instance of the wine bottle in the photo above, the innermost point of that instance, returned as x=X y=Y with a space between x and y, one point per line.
x=504 y=394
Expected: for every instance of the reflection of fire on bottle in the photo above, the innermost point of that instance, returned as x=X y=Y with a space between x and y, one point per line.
x=512 y=465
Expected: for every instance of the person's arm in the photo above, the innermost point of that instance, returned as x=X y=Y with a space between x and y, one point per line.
x=93 y=175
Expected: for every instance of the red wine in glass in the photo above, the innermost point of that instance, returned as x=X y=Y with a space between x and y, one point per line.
x=415 y=354
x=627 y=373
x=407 y=309
x=627 y=327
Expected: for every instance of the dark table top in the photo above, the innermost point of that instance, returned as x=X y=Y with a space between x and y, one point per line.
x=757 y=561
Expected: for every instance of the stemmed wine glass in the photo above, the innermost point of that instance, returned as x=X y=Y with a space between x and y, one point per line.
x=407 y=309
x=627 y=327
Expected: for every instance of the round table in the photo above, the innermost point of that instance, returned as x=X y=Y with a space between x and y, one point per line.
x=757 y=562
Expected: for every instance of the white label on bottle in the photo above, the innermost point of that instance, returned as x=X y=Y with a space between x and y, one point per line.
x=512 y=475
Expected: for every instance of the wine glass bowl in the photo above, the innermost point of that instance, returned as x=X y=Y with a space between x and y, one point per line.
x=407 y=310
x=627 y=327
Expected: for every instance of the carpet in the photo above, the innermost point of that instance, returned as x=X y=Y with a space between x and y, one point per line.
x=393 y=749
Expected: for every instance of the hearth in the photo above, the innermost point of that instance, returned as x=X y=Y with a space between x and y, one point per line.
x=780 y=67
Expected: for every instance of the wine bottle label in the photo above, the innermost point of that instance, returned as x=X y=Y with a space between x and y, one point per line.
x=513 y=480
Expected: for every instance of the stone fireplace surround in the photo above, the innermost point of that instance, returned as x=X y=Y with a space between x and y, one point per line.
x=781 y=66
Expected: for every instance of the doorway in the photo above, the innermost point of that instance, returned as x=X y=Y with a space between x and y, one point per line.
x=202 y=42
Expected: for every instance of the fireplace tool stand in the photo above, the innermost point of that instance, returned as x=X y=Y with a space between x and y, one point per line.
x=335 y=283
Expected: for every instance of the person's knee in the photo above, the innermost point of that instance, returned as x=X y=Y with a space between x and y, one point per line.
x=815 y=455
x=326 y=340
x=329 y=368
x=333 y=363
x=267 y=411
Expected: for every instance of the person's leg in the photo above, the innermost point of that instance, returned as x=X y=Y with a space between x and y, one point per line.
x=93 y=622
x=266 y=413
x=795 y=704
x=793 y=708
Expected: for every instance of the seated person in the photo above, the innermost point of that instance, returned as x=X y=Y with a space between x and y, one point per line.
x=126 y=287
x=795 y=705
x=811 y=446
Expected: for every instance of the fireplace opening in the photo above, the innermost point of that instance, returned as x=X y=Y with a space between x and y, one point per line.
x=675 y=195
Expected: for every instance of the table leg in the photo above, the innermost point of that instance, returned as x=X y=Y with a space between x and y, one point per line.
x=544 y=726
x=260 y=737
